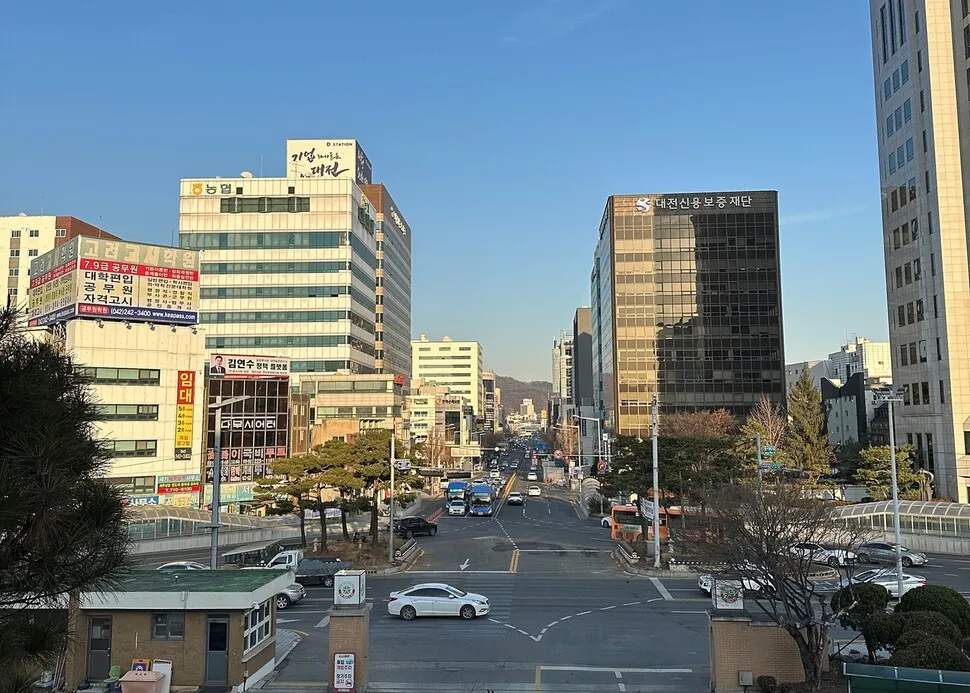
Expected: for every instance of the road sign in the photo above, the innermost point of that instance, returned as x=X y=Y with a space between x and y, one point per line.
x=646 y=507
x=769 y=466
x=558 y=454
x=402 y=465
x=768 y=450
x=601 y=466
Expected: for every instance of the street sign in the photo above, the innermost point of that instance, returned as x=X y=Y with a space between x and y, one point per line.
x=402 y=465
x=601 y=466
x=769 y=466
x=558 y=454
x=768 y=450
x=646 y=507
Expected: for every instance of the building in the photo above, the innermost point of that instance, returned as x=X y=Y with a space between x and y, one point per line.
x=393 y=332
x=342 y=405
x=25 y=237
x=443 y=423
x=818 y=370
x=127 y=313
x=872 y=359
x=582 y=389
x=289 y=265
x=848 y=410
x=919 y=60
x=527 y=410
x=686 y=305
x=216 y=627
x=491 y=417
x=562 y=367
x=451 y=364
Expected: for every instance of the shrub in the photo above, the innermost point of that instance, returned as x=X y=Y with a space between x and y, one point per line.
x=786 y=688
x=916 y=624
x=882 y=630
x=767 y=684
x=930 y=653
x=966 y=645
x=942 y=600
x=597 y=505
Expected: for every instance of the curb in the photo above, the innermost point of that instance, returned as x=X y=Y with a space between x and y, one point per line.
x=297 y=640
x=402 y=567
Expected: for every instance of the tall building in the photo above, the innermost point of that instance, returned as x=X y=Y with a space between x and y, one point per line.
x=872 y=359
x=686 y=305
x=491 y=423
x=527 y=409
x=818 y=370
x=289 y=265
x=582 y=391
x=562 y=366
x=451 y=364
x=924 y=137
x=393 y=336
x=24 y=237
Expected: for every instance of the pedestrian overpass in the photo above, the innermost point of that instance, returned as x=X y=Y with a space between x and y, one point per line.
x=164 y=528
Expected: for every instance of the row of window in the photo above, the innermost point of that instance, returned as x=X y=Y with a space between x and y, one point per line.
x=915 y=352
x=264 y=239
x=263 y=205
x=903 y=114
x=909 y=273
x=917 y=394
x=903 y=195
x=35 y=233
x=32 y=252
x=900 y=77
x=132 y=448
x=903 y=155
x=254 y=316
x=302 y=268
x=128 y=412
x=122 y=376
x=284 y=292
x=353 y=412
x=285 y=341
x=889 y=23
x=907 y=314
x=329 y=366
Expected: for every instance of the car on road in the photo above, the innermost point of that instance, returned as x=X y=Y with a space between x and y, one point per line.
x=887 y=578
x=535 y=491
x=436 y=599
x=457 y=507
x=879 y=551
x=495 y=474
x=607 y=522
x=183 y=565
x=515 y=498
x=407 y=527
x=290 y=595
x=752 y=584
x=532 y=476
x=817 y=553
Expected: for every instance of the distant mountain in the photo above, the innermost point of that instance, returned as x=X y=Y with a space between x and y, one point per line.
x=514 y=391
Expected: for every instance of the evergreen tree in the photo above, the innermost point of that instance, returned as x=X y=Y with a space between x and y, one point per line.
x=62 y=526
x=807 y=448
x=875 y=471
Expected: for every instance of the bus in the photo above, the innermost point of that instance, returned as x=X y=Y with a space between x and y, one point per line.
x=457 y=490
x=625 y=523
x=482 y=499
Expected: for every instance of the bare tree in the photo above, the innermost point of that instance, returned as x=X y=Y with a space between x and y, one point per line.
x=707 y=423
x=435 y=449
x=768 y=420
x=753 y=532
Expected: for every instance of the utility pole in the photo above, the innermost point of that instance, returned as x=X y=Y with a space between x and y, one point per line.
x=218 y=406
x=390 y=513
x=656 y=484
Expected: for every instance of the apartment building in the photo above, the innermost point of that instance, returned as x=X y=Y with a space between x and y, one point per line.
x=452 y=364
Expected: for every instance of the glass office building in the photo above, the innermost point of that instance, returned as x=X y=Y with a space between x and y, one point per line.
x=686 y=305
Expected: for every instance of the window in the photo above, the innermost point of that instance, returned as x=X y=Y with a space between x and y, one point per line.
x=899 y=277
x=910 y=314
x=942 y=394
x=131 y=448
x=916 y=22
x=908 y=273
x=168 y=625
x=912 y=353
x=936 y=308
x=914 y=224
x=919 y=309
x=939 y=349
x=965 y=6
x=122 y=376
x=889 y=126
x=234 y=241
x=887 y=88
x=906 y=396
x=922 y=351
x=60 y=233
x=900 y=156
x=966 y=442
x=917 y=269
x=15 y=233
x=925 y=147
x=892 y=26
x=914 y=391
x=919 y=61
x=925 y=391
x=912 y=196
x=966 y=42
x=905 y=230
x=903 y=359
x=898 y=115
x=896 y=244
x=14 y=272
x=929 y=223
x=901 y=317
x=902 y=22
x=15 y=252
x=922 y=102
x=910 y=150
x=883 y=34
x=257 y=626
x=903 y=197
x=896 y=80
x=35 y=233
x=932 y=265
x=907 y=110
x=32 y=253
x=128 y=412
x=904 y=71
x=263 y=205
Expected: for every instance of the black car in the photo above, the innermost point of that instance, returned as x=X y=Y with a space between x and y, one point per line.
x=407 y=527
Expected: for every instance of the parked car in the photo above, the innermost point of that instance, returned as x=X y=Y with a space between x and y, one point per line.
x=290 y=595
x=183 y=565
x=817 y=553
x=515 y=498
x=407 y=527
x=457 y=507
x=883 y=552
x=886 y=578
x=436 y=599
x=752 y=584
x=535 y=491
x=607 y=522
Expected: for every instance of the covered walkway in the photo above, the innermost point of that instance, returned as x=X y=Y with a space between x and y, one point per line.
x=938 y=519
x=167 y=521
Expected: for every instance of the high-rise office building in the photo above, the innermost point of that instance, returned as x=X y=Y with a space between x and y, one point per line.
x=562 y=367
x=289 y=265
x=924 y=139
x=451 y=364
x=491 y=409
x=582 y=392
x=686 y=305
x=393 y=336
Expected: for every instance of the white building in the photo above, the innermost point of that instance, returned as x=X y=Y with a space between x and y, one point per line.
x=451 y=364
x=873 y=359
x=562 y=367
x=919 y=53
x=816 y=371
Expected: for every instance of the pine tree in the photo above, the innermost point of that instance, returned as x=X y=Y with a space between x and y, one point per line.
x=62 y=526
x=875 y=471
x=807 y=448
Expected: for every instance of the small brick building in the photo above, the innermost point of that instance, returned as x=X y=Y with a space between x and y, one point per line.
x=217 y=627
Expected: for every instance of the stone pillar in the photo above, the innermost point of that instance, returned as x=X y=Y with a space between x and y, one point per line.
x=349 y=631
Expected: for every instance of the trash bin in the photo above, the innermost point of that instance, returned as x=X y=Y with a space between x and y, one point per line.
x=142 y=682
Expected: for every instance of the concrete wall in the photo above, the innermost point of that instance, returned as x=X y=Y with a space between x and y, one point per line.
x=201 y=541
x=740 y=644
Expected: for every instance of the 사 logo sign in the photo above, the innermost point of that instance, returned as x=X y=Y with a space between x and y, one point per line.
x=644 y=204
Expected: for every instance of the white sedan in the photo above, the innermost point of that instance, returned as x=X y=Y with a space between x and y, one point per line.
x=817 y=553
x=535 y=491
x=607 y=522
x=886 y=578
x=532 y=476
x=436 y=599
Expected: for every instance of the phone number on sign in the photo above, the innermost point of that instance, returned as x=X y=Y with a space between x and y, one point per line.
x=181 y=317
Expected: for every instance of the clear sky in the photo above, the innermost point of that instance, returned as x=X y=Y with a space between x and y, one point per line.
x=499 y=127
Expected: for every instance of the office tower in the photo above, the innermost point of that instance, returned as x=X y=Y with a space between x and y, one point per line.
x=562 y=367
x=393 y=318
x=24 y=237
x=872 y=359
x=686 y=305
x=924 y=136
x=491 y=409
x=451 y=364
x=582 y=390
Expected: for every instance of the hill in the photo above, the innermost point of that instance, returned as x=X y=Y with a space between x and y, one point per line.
x=514 y=391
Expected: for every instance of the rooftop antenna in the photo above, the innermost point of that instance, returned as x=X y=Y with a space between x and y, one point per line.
x=260 y=165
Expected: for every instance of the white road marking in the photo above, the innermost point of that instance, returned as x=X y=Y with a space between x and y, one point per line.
x=618 y=674
x=660 y=588
x=324 y=622
x=583 y=613
x=607 y=608
x=565 y=618
x=464 y=566
x=687 y=612
x=522 y=631
x=287 y=620
x=622 y=670
x=543 y=631
x=632 y=603
x=622 y=687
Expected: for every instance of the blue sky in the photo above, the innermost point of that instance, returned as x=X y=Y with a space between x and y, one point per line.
x=499 y=127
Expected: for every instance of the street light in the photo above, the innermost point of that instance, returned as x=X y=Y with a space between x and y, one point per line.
x=218 y=406
x=892 y=396
x=654 y=404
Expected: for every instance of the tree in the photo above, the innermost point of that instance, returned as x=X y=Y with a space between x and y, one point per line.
x=808 y=448
x=706 y=423
x=755 y=527
x=62 y=526
x=859 y=606
x=875 y=471
x=767 y=419
x=847 y=458
x=290 y=487
x=435 y=449
x=371 y=453
x=333 y=460
x=941 y=599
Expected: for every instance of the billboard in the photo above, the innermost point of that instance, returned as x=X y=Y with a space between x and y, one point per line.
x=241 y=367
x=335 y=159
x=184 y=414
x=114 y=280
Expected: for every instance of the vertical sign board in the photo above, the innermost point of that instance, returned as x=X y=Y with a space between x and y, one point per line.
x=53 y=286
x=343 y=673
x=184 y=414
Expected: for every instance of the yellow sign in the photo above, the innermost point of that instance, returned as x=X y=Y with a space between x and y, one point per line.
x=184 y=413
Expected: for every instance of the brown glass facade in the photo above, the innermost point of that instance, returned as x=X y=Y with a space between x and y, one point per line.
x=686 y=305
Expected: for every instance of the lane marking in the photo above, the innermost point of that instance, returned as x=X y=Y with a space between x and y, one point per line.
x=687 y=612
x=565 y=618
x=456 y=572
x=514 y=563
x=521 y=631
x=618 y=674
x=607 y=608
x=583 y=613
x=324 y=622
x=660 y=588
x=622 y=686
x=556 y=667
x=630 y=604
x=543 y=631
x=566 y=551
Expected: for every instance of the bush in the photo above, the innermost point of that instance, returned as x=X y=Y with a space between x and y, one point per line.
x=870 y=600
x=767 y=684
x=786 y=688
x=942 y=600
x=597 y=505
x=930 y=653
x=922 y=624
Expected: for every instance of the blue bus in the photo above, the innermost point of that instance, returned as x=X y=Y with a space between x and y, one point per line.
x=457 y=490
x=481 y=500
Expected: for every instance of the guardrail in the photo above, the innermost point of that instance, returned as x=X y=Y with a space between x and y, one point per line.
x=408 y=548
x=627 y=552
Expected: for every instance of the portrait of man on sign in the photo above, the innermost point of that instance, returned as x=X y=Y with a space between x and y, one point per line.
x=216 y=367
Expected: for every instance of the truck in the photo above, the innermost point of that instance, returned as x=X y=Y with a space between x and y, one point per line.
x=457 y=490
x=481 y=500
x=309 y=571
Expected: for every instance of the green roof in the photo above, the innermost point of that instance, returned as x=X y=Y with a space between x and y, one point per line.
x=227 y=580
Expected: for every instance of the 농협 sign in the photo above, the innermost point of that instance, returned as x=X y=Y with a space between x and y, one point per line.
x=184 y=415
x=649 y=203
x=343 y=673
x=211 y=188
x=248 y=367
